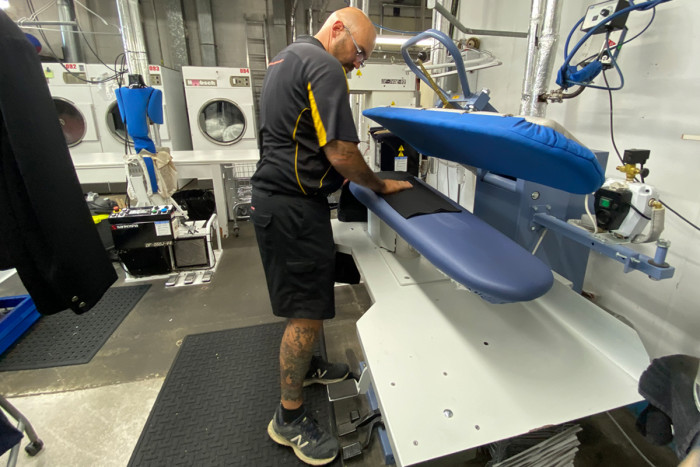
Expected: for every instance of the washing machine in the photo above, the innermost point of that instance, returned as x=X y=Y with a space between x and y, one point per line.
x=73 y=100
x=174 y=132
x=220 y=108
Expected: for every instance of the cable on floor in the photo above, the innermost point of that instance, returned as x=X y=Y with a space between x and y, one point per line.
x=630 y=440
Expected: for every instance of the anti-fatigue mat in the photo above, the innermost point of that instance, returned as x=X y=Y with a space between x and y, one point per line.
x=217 y=400
x=66 y=338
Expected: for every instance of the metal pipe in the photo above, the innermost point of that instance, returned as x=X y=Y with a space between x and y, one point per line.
x=438 y=54
x=310 y=21
x=132 y=38
x=545 y=57
x=176 y=33
x=531 y=57
x=135 y=47
x=435 y=4
x=365 y=8
x=293 y=20
x=71 y=43
x=46 y=23
x=207 y=42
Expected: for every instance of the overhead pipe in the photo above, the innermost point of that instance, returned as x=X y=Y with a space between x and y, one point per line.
x=207 y=42
x=71 y=44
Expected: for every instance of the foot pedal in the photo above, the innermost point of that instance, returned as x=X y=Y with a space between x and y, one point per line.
x=206 y=277
x=346 y=428
x=342 y=390
x=172 y=280
x=190 y=277
x=352 y=426
x=352 y=450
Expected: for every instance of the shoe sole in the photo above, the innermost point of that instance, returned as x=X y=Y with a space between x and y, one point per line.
x=284 y=442
x=309 y=382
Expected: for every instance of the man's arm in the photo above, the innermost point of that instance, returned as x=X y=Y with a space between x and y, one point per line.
x=347 y=160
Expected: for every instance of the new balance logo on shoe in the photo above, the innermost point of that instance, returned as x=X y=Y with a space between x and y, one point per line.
x=320 y=373
x=298 y=440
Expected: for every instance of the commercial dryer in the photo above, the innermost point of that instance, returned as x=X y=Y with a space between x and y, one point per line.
x=220 y=107
x=73 y=100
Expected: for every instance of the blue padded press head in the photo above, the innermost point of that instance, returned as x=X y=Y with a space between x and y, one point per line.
x=504 y=145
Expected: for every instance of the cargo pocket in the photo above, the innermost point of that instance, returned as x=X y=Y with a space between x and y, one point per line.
x=302 y=278
x=263 y=230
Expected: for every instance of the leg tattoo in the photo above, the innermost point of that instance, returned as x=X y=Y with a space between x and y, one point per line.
x=295 y=356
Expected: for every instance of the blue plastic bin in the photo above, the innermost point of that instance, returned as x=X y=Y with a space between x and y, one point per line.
x=17 y=321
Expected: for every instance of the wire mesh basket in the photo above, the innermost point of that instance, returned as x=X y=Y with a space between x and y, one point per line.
x=243 y=191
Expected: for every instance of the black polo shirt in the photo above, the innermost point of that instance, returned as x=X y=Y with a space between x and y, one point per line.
x=303 y=106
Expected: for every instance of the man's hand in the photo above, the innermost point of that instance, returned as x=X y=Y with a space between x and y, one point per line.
x=394 y=186
x=348 y=161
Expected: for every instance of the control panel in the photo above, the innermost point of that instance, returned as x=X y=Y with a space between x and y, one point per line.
x=142 y=227
x=595 y=14
x=612 y=206
x=141 y=214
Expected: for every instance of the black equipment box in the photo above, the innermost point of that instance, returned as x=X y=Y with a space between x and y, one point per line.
x=143 y=238
x=142 y=227
x=611 y=207
x=390 y=150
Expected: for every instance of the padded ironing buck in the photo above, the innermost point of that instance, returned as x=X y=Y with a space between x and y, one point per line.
x=467 y=249
x=515 y=146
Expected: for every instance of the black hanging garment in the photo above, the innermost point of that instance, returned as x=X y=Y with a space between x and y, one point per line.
x=46 y=231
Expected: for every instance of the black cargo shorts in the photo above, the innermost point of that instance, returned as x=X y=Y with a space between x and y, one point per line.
x=298 y=253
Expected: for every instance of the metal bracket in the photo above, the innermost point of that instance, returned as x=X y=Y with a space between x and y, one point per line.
x=435 y=5
x=632 y=259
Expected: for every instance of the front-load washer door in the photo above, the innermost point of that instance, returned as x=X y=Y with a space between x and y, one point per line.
x=117 y=128
x=72 y=121
x=222 y=122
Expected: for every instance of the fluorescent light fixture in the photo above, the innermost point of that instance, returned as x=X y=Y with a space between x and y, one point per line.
x=4 y=4
x=399 y=40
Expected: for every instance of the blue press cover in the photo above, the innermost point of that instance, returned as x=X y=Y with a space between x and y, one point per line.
x=148 y=161
x=505 y=145
x=135 y=104
x=467 y=249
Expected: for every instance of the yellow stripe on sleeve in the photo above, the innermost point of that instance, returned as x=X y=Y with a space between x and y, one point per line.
x=316 y=116
x=296 y=150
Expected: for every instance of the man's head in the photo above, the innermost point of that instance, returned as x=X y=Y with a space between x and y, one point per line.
x=349 y=36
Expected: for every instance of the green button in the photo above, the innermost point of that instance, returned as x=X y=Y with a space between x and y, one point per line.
x=605 y=202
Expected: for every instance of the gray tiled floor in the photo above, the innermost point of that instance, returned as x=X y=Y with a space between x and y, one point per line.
x=92 y=415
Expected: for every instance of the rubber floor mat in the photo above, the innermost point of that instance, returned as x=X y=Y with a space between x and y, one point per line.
x=66 y=338
x=217 y=400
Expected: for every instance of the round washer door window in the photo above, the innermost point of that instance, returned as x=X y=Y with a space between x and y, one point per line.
x=222 y=122
x=72 y=121
x=116 y=127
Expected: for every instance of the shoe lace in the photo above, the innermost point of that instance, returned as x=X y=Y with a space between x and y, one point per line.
x=311 y=428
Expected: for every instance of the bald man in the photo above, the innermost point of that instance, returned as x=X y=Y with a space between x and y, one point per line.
x=308 y=147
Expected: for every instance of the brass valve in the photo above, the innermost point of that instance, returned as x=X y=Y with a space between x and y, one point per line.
x=630 y=171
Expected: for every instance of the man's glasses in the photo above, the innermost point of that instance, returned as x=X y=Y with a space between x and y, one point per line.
x=360 y=53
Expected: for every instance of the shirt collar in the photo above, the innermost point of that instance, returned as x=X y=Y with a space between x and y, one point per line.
x=310 y=40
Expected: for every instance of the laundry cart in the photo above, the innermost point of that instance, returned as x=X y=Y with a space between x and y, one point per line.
x=238 y=191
